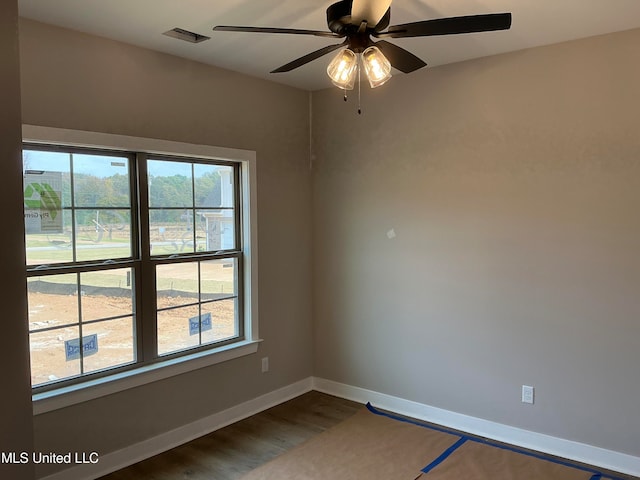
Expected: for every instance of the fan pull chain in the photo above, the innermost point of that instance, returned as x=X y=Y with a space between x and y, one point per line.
x=359 y=109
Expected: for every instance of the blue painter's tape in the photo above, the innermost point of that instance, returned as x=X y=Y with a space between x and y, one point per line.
x=373 y=409
x=444 y=455
x=597 y=475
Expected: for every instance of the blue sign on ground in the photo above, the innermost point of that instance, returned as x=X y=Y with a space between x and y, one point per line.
x=200 y=323
x=89 y=347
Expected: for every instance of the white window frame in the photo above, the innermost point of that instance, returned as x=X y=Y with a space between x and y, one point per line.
x=98 y=387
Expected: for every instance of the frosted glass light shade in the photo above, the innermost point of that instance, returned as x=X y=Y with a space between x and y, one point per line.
x=343 y=68
x=376 y=66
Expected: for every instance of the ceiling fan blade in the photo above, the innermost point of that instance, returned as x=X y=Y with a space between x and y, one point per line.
x=317 y=33
x=400 y=58
x=370 y=11
x=449 y=26
x=307 y=58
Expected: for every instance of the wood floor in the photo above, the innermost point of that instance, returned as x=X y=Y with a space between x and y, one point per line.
x=230 y=452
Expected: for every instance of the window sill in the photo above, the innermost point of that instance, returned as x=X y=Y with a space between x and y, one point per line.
x=82 y=392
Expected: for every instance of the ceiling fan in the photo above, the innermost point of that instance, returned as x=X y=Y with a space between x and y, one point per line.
x=357 y=21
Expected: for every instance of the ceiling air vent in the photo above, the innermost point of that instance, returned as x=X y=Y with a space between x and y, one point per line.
x=186 y=35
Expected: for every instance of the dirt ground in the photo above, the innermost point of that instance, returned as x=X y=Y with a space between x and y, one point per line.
x=116 y=338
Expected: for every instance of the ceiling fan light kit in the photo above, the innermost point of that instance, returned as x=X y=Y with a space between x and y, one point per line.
x=376 y=66
x=357 y=21
x=343 y=69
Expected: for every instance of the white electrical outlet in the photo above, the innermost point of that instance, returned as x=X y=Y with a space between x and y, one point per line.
x=527 y=394
x=265 y=364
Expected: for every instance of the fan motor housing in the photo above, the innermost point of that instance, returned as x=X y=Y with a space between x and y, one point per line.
x=339 y=19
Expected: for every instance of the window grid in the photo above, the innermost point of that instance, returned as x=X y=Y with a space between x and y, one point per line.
x=143 y=318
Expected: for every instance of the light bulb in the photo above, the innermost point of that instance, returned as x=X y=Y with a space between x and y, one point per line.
x=376 y=66
x=343 y=68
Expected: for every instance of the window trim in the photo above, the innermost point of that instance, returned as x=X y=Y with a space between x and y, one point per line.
x=98 y=387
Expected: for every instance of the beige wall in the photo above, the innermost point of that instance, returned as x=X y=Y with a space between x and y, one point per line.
x=513 y=185
x=72 y=80
x=16 y=419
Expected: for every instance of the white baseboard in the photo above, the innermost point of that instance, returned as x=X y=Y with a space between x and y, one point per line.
x=140 y=451
x=608 y=459
x=579 y=452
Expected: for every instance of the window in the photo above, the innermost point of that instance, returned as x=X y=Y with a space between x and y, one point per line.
x=79 y=225
x=133 y=260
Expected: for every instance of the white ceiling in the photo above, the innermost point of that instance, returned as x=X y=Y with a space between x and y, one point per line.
x=142 y=22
